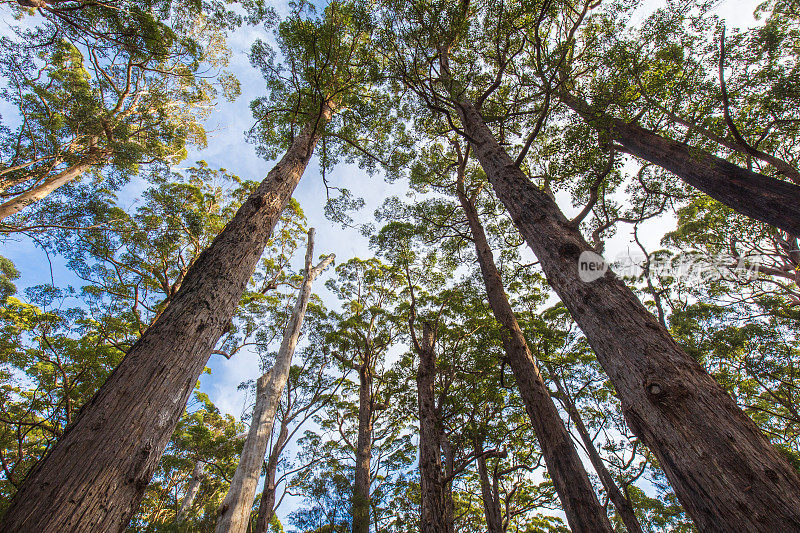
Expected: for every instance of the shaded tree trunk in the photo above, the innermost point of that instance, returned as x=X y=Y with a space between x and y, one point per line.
x=433 y=516
x=266 y=507
x=583 y=510
x=362 y=481
x=770 y=200
x=191 y=491
x=234 y=513
x=621 y=503
x=725 y=473
x=489 y=494
x=94 y=476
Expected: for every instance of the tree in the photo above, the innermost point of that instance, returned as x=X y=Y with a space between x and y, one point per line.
x=365 y=331
x=670 y=401
x=104 y=94
x=166 y=361
x=235 y=510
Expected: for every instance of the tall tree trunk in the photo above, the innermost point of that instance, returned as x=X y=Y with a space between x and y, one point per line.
x=362 y=482
x=770 y=200
x=234 y=513
x=449 y=474
x=94 y=476
x=491 y=501
x=583 y=510
x=266 y=507
x=621 y=503
x=191 y=491
x=433 y=512
x=725 y=473
x=22 y=200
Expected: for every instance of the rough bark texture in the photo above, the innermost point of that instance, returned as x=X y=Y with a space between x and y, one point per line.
x=580 y=503
x=489 y=494
x=362 y=481
x=621 y=503
x=94 y=477
x=191 y=491
x=19 y=202
x=234 y=513
x=755 y=195
x=266 y=507
x=725 y=473
x=433 y=515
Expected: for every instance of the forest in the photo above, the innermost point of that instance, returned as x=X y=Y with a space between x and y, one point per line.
x=485 y=266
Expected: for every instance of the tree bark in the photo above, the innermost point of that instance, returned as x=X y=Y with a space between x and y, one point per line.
x=266 y=507
x=621 y=503
x=234 y=513
x=361 y=483
x=491 y=500
x=583 y=510
x=94 y=476
x=22 y=200
x=433 y=516
x=770 y=200
x=191 y=491
x=725 y=473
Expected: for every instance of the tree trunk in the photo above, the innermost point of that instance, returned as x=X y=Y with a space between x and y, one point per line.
x=725 y=473
x=621 y=503
x=191 y=491
x=21 y=201
x=94 y=476
x=770 y=200
x=583 y=510
x=490 y=498
x=266 y=507
x=433 y=511
x=234 y=513
x=361 y=484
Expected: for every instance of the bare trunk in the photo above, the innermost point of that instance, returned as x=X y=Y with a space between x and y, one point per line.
x=725 y=473
x=433 y=516
x=266 y=507
x=773 y=201
x=234 y=513
x=491 y=500
x=191 y=491
x=621 y=503
x=21 y=201
x=94 y=477
x=361 y=484
x=583 y=510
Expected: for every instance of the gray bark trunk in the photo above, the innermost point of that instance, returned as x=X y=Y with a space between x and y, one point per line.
x=362 y=482
x=21 y=201
x=773 y=201
x=725 y=473
x=266 y=507
x=621 y=503
x=94 y=476
x=583 y=510
x=433 y=516
x=191 y=491
x=491 y=500
x=234 y=513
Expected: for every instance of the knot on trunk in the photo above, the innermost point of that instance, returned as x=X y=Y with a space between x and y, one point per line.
x=569 y=250
x=259 y=201
x=664 y=393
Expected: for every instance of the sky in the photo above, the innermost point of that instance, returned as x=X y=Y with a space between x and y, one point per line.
x=228 y=149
